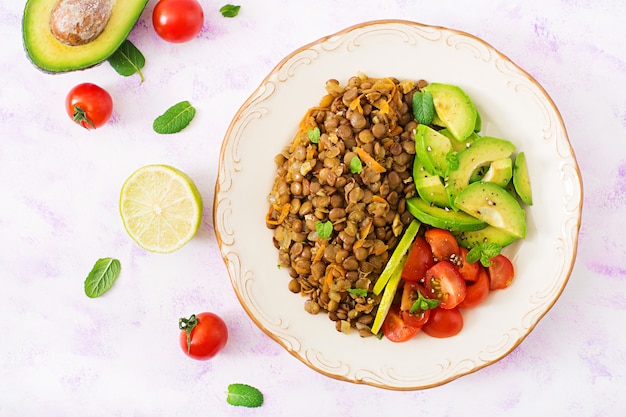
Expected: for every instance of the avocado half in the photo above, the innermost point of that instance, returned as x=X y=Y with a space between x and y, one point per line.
x=53 y=56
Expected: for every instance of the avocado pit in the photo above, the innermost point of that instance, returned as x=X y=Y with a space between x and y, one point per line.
x=79 y=22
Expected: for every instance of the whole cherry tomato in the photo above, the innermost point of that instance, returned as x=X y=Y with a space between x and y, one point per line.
x=177 y=21
x=203 y=335
x=89 y=105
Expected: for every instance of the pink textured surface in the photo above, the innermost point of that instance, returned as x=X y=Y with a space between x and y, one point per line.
x=62 y=354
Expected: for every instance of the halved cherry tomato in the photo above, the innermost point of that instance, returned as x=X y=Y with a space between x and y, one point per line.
x=409 y=296
x=419 y=259
x=443 y=245
x=476 y=292
x=501 y=272
x=395 y=329
x=444 y=283
x=469 y=270
x=443 y=322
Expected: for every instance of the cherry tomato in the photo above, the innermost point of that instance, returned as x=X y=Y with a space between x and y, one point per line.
x=476 y=292
x=443 y=322
x=89 y=105
x=395 y=329
x=501 y=272
x=419 y=259
x=469 y=270
x=409 y=296
x=203 y=335
x=443 y=245
x=444 y=283
x=177 y=21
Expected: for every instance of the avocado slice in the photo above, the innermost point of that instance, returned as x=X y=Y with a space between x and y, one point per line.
x=493 y=205
x=429 y=187
x=479 y=122
x=500 y=172
x=50 y=55
x=521 y=180
x=432 y=147
x=481 y=152
x=442 y=218
x=454 y=108
x=489 y=234
x=459 y=145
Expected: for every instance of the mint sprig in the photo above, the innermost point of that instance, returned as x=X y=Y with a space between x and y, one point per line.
x=423 y=107
x=127 y=60
x=483 y=253
x=102 y=277
x=356 y=166
x=314 y=134
x=244 y=395
x=229 y=10
x=175 y=119
x=422 y=303
x=452 y=159
x=359 y=292
x=324 y=229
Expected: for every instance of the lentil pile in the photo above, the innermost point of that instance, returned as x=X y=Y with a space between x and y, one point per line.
x=349 y=166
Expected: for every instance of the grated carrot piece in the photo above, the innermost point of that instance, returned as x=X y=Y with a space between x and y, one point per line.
x=369 y=160
x=329 y=275
x=320 y=252
x=356 y=104
x=284 y=211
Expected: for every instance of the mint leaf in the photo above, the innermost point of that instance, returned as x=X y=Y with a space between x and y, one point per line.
x=314 y=134
x=229 y=10
x=243 y=395
x=127 y=60
x=483 y=253
x=473 y=255
x=175 y=119
x=102 y=276
x=356 y=166
x=453 y=160
x=423 y=304
x=423 y=107
x=324 y=229
x=491 y=250
x=359 y=292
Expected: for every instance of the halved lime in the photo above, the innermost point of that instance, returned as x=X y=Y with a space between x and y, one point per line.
x=161 y=208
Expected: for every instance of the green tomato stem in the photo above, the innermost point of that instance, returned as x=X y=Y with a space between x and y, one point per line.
x=188 y=325
x=80 y=115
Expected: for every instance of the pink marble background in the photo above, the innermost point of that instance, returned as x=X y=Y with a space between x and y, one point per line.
x=62 y=354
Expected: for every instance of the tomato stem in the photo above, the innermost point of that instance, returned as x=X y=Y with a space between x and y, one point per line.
x=188 y=325
x=80 y=116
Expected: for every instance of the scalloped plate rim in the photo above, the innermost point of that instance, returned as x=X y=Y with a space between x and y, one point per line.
x=369 y=376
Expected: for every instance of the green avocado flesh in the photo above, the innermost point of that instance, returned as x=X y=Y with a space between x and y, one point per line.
x=481 y=152
x=493 y=205
x=50 y=55
x=489 y=234
x=456 y=221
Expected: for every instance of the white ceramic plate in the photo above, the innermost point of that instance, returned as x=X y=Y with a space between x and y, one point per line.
x=513 y=106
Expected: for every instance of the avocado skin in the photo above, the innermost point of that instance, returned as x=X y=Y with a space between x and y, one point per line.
x=442 y=218
x=521 y=180
x=49 y=55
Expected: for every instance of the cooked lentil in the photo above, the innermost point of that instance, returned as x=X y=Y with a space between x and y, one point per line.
x=368 y=118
